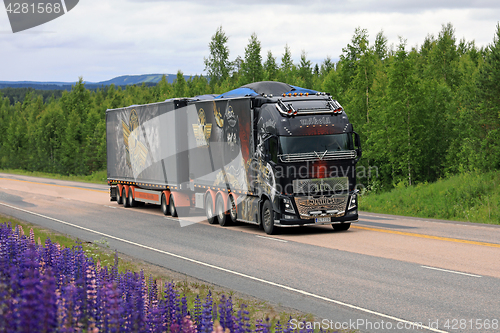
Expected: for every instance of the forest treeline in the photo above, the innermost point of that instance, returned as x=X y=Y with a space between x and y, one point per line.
x=422 y=112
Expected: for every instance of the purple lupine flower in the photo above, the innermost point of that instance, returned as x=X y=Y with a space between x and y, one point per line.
x=155 y=322
x=288 y=328
x=172 y=305
x=48 y=297
x=214 y=312
x=114 y=269
x=242 y=324
x=278 y=328
x=184 y=307
x=306 y=328
x=66 y=308
x=197 y=310
x=32 y=236
x=29 y=306
x=206 y=325
x=262 y=327
x=226 y=317
x=152 y=293
x=113 y=310
x=77 y=294
x=91 y=294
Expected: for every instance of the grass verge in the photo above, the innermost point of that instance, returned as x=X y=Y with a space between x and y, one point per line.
x=471 y=197
x=190 y=287
x=98 y=177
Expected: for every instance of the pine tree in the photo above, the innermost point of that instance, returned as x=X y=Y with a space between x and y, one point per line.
x=180 y=86
x=305 y=70
x=287 y=66
x=270 y=67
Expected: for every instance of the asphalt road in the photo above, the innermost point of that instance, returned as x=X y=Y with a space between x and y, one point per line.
x=383 y=275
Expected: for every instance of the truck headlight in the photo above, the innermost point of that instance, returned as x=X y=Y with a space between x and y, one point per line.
x=288 y=207
x=353 y=203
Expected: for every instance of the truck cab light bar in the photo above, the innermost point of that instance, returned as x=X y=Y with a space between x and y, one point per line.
x=287 y=109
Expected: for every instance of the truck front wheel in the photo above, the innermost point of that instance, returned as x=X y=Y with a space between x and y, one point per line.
x=341 y=227
x=233 y=210
x=267 y=218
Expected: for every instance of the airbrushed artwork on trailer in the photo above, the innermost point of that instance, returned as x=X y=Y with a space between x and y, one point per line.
x=141 y=149
x=220 y=136
x=212 y=139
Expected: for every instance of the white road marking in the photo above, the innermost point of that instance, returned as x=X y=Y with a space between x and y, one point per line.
x=448 y=271
x=111 y=206
x=274 y=239
x=274 y=284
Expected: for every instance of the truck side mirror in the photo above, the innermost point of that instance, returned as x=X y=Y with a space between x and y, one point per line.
x=357 y=141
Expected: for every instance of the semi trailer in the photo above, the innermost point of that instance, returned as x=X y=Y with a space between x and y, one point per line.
x=266 y=153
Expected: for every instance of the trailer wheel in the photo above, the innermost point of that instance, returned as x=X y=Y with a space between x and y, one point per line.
x=124 y=198
x=221 y=211
x=164 y=206
x=267 y=218
x=341 y=227
x=173 y=210
x=233 y=210
x=209 y=209
x=130 y=198
x=119 y=198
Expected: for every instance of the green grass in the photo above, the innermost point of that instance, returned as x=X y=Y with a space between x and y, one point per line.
x=97 y=177
x=471 y=197
x=100 y=250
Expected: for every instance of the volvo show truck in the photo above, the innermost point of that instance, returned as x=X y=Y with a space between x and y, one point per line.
x=267 y=153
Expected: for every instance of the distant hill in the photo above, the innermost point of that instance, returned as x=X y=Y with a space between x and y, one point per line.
x=124 y=80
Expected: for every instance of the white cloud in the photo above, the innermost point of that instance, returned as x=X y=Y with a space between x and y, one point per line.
x=103 y=39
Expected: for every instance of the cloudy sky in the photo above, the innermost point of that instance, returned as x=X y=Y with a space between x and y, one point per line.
x=102 y=39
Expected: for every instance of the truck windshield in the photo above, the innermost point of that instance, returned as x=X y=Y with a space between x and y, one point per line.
x=316 y=143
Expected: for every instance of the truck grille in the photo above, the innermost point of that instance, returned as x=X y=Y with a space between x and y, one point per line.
x=319 y=185
x=314 y=156
x=334 y=205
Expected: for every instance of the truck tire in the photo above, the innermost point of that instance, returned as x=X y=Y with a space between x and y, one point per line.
x=164 y=207
x=233 y=210
x=267 y=218
x=209 y=209
x=130 y=198
x=124 y=198
x=221 y=211
x=119 y=197
x=171 y=205
x=341 y=226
